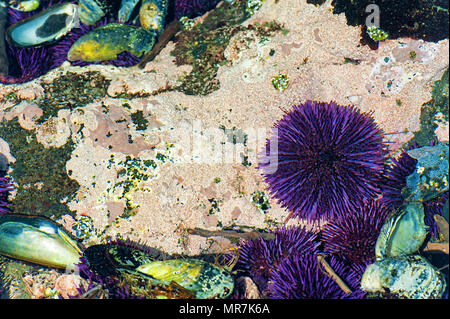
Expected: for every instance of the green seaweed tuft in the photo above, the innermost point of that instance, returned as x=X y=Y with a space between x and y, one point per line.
x=438 y=104
x=70 y=91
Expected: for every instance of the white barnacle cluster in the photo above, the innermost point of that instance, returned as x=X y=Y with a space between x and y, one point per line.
x=253 y=6
x=187 y=23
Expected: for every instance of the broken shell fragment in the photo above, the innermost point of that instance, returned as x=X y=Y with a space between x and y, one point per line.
x=126 y=9
x=91 y=11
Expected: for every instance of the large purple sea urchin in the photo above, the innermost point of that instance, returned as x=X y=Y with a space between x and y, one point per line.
x=259 y=257
x=353 y=236
x=303 y=277
x=329 y=159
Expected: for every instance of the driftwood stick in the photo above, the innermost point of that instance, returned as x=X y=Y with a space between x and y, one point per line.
x=165 y=37
x=443 y=247
x=443 y=226
x=91 y=293
x=230 y=234
x=333 y=275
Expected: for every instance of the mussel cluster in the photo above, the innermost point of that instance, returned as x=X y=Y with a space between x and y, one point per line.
x=118 y=266
x=399 y=270
x=136 y=32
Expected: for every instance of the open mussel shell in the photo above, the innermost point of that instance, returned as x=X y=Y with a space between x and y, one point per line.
x=37 y=240
x=46 y=27
x=106 y=259
x=203 y=279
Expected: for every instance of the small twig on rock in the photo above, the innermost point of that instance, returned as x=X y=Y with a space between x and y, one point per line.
x=443 y=226
x=333 y=275
x=443 y=247
x=442 y=268
x=91 y=293
x=165 y=37
x=230 y=234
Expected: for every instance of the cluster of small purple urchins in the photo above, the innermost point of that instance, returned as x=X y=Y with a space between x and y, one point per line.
x=328 y=160
x=31 y=63
x=286 y=266
x=260 y=257
x=394 y=180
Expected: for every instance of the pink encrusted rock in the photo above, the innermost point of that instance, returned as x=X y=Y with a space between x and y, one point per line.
x=442 y=131
x=115 y=209
x=66 y=285
x=66 y=221
x=116 y=88
x=30 y=92
x=4 y=149
x=26 y=112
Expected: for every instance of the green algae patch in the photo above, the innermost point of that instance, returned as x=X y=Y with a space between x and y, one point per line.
x=428 y=116
x=40 y=173
x=203 y=45
x=11 y=274
x=70 y=91
x=139 y=120
x=261 y=201
x=132 y=173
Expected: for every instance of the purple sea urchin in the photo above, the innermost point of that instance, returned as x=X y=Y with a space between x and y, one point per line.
x=193 y=8
x=259 y=257
x=302 y=277
x=111 y=284
x=5 y=187
x=353 y=236
x=394 y=180
x=329 y=159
